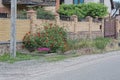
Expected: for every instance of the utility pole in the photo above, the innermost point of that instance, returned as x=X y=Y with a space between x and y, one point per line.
x=13 y=28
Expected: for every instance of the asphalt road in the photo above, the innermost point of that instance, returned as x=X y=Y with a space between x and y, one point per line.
x=87 y=67
x=104 y=69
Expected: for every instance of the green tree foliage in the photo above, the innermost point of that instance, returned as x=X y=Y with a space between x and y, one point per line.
x=43 y=14
x=117 y=7
x=83 y=10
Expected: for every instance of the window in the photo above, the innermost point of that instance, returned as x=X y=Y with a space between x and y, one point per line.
x=61 y=1
x=3 y=15
x=101 y=1
x=81 y=1
x=78 y=1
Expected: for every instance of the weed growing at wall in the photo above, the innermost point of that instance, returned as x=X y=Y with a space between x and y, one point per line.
x=101 y=43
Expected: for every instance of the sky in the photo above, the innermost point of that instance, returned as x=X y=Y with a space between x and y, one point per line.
x=116 y=0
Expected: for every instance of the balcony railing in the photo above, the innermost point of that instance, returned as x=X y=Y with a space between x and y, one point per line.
x=31 y=2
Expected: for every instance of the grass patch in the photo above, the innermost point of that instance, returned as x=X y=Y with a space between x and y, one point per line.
x=101 y=43
x=23 y=57
x=97 y=45
x=55 y=58
x=60 y=57
x=19 y=57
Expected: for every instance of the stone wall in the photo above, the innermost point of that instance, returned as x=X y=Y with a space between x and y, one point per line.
x=5 y=47
x=84 y=29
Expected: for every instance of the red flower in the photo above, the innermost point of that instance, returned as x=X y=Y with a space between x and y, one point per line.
x=50 y=24
x=38 y=34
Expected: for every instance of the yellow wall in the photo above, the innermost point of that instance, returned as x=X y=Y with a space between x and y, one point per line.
x=23 y=26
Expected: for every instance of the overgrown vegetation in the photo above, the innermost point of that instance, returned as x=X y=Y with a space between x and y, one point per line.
x=43 y=14
x=70 y=45
x=53 y=37
x=22 y=14
x=101 y=43
x=44 y=57
x=20 y=57
x=83 y=10
x=98 y=43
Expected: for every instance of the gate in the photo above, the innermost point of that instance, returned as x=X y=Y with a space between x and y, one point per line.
x=110 y=28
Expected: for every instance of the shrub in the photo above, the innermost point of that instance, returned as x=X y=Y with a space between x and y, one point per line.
x=42 y=14
x=85 y=43
x=52 y=37
x=79 y=43
x=101 y=43
x=72 y=44
x=22 y=14
x=83 y=10
x=29 y=42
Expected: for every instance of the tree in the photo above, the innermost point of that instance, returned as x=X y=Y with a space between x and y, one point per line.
x=117 y=7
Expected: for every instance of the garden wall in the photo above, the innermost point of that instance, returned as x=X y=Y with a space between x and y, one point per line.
x=5 y=47
x=23 y=26
x=76 y=29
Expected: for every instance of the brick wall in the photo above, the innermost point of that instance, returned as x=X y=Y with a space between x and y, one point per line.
x=83 y=29
x=23 y=26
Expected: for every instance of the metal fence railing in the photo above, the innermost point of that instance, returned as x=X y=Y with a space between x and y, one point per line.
x=32 y=2
x=22 y=16
x=3 y=15
x=65 y=18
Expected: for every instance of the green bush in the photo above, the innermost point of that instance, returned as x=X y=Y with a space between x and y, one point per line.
x=22 y=14
x=83 y=10
x=42 y=14
x=53 y=37
x=72 y=44
x=101 y=43
x=29 y=42
x=79 y=43
x=85 y=43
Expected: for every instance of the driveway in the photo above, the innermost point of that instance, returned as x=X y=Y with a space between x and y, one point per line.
x=87 y=67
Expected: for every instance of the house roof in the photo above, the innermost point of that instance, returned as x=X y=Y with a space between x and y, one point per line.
x=112 y=4
x=31 y=2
